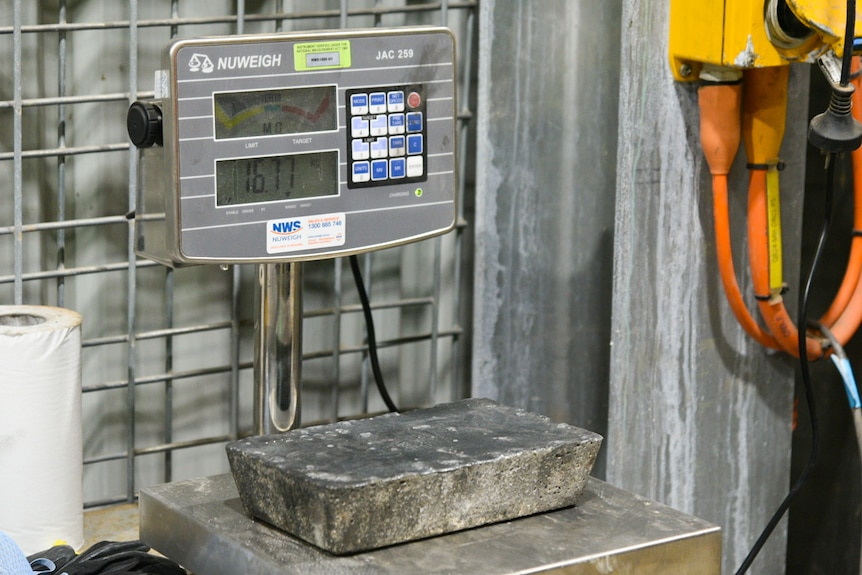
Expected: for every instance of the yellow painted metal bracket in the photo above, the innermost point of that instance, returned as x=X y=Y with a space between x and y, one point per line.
x=735 y=34
x=826 y=18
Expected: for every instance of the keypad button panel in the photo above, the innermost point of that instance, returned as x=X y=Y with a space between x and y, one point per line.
x=387 y=136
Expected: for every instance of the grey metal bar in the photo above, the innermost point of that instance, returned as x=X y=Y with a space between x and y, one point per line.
x=155 y=334
x=17 y=145
x=435 y=320
x=465 y=115
x=395 y=342
x=68 y=224
x=51 y=274
x=162 y=448
x=279 y=22
x=61 y=160
x=240 y=16
x=357 y=308
x=53 y=152
x=336 y=335
x=167 y=448
x=161 y=377
x=378 y=18
x=85 y=99
x=169 y=325
x=169 y=369
x=104 y=502
x=175 y=15
x=234 y=351
x=107 y=457
x=201 y=21
x=131 y=275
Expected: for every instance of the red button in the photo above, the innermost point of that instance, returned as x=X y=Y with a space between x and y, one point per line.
x=414 y=100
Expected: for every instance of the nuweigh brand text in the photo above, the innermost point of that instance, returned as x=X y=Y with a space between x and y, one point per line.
x=249 y=61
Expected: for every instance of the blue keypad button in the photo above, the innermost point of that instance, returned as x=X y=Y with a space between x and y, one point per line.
x=377 y=103
x=396 y=123
x=360 y=172
x=379 y=170
x=396 y=146
x=414 y=121
x=414 y=144
x=396 y=168
x=359 y=104
x=395 y=101
x=379 y=148
x=358 y=127
x=379 y=125
x=360 y=149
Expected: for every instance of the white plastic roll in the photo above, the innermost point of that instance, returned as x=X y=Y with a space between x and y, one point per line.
x=40 y=427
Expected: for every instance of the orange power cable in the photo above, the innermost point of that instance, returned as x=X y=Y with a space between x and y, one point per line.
x=764 y=106
x=720 y=106
x=764 y=113
x=771 y=305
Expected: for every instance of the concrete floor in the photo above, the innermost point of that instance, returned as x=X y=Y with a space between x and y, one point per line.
x=113 y=523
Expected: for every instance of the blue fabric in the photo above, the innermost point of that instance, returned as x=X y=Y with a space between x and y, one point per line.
x=12 y=559
x=846 y=371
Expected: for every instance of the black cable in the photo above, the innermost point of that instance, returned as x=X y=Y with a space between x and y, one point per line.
x=372 y=338
x=806 y=380
x=849 y=36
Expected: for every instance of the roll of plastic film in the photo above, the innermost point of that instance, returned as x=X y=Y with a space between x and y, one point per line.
x=40 y=427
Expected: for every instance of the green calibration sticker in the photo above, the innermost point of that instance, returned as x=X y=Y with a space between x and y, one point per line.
x=321 y=55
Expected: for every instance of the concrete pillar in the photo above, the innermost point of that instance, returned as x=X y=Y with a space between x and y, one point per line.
x=700 y=415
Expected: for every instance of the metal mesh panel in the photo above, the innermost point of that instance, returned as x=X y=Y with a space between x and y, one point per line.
x=167 y=353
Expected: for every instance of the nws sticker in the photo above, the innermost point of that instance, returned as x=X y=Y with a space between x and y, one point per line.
x=323 y=231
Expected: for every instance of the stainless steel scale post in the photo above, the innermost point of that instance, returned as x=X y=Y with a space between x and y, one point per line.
x=277 y=348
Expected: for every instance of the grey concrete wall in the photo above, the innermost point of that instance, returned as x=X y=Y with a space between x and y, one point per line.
x=544 y=209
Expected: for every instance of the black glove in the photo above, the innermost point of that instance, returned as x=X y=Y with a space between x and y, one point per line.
x=112 y=558
x=59 y=555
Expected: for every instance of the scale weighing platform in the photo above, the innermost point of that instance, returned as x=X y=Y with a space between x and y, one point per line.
x=201 y=524
x=279 y=149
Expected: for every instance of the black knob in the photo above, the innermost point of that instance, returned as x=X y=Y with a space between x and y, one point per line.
x=144 y=123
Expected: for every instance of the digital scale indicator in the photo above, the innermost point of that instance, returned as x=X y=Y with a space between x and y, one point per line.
x=293 y=147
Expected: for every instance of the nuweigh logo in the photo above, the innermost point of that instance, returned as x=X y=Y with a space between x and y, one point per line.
x=203 y=63
x=200 y=63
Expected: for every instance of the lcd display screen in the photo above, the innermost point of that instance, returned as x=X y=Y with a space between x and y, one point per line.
x=274 y=178
x=274 y=112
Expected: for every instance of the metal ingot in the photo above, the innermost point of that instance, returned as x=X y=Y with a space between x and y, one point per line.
x=358 y=485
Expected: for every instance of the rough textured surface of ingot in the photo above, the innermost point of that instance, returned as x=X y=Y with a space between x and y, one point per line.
x=363 y=484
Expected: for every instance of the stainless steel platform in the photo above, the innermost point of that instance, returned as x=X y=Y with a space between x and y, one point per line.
x=200 y=523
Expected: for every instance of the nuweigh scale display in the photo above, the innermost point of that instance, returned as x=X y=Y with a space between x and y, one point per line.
x=293 y=147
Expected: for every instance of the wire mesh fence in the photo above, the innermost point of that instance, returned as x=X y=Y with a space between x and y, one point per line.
x=167 y=352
